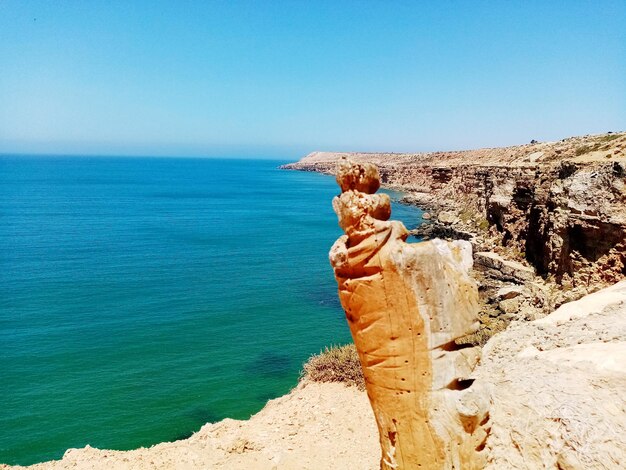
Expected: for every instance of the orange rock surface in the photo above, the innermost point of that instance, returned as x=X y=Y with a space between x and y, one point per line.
x=405 y=305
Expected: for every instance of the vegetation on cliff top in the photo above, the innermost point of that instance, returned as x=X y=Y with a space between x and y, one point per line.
x=335 y=364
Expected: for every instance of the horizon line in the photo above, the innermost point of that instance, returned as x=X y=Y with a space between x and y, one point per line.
x=276 y=158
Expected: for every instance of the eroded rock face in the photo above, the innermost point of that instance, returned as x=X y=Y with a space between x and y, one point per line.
x=560 y=206
x=559 y=388
x=406 y=304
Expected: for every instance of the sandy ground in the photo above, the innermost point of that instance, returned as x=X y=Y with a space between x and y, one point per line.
x=316 y=426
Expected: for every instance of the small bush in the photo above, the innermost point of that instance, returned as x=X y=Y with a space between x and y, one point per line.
x=335 y=364
x=482 y=224
x=609 y=138
x=583 y=149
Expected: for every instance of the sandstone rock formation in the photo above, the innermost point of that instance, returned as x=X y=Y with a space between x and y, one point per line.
x=406 y=304
x=559 y=388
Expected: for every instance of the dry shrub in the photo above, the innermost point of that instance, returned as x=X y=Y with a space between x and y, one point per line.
x=335 y=364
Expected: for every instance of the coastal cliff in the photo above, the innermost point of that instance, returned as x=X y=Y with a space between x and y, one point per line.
x=547 y=220
x=559 y=206
x=543 y=233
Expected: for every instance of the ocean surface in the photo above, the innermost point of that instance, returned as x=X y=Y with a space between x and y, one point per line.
x=143 y=297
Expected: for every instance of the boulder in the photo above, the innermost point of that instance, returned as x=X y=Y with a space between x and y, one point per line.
x=500 y=268
x=447 y=217
x=509 y=292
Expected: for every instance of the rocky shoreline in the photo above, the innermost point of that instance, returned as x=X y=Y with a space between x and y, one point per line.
x=547 y=220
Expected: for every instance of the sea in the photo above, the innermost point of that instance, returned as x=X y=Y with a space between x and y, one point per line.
x=141 y=298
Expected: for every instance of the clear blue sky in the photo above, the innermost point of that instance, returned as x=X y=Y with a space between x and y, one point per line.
x=280 y=79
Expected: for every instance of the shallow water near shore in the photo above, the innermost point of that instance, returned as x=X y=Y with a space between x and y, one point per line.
x=141 y=298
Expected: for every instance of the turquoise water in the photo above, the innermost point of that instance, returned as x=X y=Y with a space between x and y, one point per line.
x=142 y=298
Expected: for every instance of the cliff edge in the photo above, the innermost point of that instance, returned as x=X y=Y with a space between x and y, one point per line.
x=547 y=220
x=559 y=207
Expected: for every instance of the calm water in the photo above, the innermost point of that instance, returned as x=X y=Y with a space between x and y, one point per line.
x=142 y=298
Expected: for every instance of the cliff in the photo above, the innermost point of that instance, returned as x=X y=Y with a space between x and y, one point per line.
x=559 y=206
x=547 y=220
x=558 y=397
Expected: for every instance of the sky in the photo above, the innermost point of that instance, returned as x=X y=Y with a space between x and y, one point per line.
x=283 y=78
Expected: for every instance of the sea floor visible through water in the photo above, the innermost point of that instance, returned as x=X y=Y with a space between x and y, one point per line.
x=143 y=297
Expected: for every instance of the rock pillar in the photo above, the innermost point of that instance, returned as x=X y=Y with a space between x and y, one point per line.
x=405 y=305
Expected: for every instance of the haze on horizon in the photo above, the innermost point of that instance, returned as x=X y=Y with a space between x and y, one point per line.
x=280 y=79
